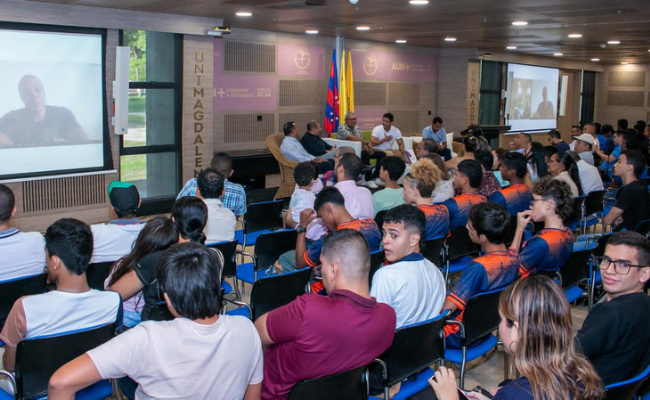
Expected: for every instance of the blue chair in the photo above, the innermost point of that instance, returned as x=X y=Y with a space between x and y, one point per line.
x=459 y=251
x=627 y=389
x=260 y=218
x=594 y=205
x=415 y=347
x=229 y=252
x=575 y=272
x=13 y=289
x=269 y=247
x=38 y=358
x=480 y=319
x=347 y=385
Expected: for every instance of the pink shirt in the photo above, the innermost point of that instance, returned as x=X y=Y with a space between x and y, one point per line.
x=316 y=336
x=358 y=200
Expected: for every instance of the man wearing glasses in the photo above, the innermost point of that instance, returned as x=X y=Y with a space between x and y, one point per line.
x=351 y=131
x=615 y=335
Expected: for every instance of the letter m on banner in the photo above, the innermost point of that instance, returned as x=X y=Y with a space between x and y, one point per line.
x=331 y=124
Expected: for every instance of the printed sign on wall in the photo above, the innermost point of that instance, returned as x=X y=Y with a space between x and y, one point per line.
x=241 y=92
x=383 y=66
x=368 y=118
x=299 y=60
x=473 y=87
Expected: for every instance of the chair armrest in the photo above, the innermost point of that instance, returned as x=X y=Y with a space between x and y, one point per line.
x=10 y=376
x=461 y=327
x=245 y=254
x=242 y=304
x=382 y=364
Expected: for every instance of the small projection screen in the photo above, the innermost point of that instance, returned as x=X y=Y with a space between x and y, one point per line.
x=532 y=97
x=52 y=101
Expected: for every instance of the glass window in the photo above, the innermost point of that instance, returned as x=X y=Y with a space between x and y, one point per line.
x=151 y=117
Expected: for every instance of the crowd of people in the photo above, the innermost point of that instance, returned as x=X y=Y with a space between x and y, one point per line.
x=515 y=204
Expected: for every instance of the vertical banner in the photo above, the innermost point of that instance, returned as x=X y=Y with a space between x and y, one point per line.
x=349 y=83
x=343 y=97
x=331 y=124
x=473 y=89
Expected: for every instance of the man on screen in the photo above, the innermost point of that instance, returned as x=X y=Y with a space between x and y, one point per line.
x=545 y=109
x=38 y=124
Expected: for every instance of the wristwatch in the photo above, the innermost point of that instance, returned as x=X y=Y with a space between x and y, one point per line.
x=301 y=229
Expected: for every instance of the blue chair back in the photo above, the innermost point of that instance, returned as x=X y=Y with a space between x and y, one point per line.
x=348 y=385
x=263 y=216
x=12 y=290
x=627 y=389
x=278 y=290
x=481 y=316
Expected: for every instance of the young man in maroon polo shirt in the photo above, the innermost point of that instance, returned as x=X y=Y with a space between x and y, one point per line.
x=316 y=336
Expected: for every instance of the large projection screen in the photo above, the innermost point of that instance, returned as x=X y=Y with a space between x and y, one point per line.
x=531 y=98
x=52 y=102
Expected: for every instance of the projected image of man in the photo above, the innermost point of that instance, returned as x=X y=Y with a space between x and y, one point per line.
x=545 y=109
x=38 y=124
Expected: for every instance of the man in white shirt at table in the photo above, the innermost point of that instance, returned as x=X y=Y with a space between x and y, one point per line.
x=384 y=135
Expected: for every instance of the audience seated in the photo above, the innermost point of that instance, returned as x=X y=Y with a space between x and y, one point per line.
x=437 y=133
x=498 y=155
x=614 y=335
x=444 y=189
x=392 y=168
x=537 y=334
x=190 y=215
x=555 y=138
x=351 y=131
x=316 y=335
x=293 y=150
x=583 y=146
x=158 y=234
x=22 y=253
x=560 y=166
x=516 y=197
x=234 y=195
x=412 y=285
x=313 y=143
x=72 y=306
x=522 y=143
x=496 y=268
x=115 y=239
x=608 y=160
x=590 y=179
x=489 y=183
x=221 y=221
x=418 y=188
x=632 y=199
x=470 y=145
x=468 y=181
x=198 y=355
x=549 y=249
x=425 y=147
x=305 y=175
x=358 y=200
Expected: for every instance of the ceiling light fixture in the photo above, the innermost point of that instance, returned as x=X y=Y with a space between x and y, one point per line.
x=575 y=35
x=400 y=41
x=363 y=28
x=558 y=54
x=243 y=14
x=419 y=2
x=450 y=39
x=614 y=42
x=511 y=48
x=595 y=59
x=311 y=32
x=520 y=23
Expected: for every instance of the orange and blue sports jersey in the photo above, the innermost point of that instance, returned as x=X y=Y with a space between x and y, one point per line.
x=437 y=221
x=492 y=271
x=548 y=250
x=459 y=208
x=367 y=227
x=515 y=198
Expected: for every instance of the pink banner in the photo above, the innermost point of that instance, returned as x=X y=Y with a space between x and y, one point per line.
x=383 y=66
x=242 y=92
x=368 y=118
x=298 y=60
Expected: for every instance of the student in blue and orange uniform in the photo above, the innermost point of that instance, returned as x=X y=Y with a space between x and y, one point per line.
x=468 y=179
x=516 y=197
x=549 y=249
x=488 y=227
x=419 y=184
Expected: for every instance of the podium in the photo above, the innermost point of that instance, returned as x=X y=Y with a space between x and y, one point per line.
x=493 y=132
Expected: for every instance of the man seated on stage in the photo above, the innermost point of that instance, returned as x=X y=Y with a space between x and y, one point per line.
x=22 y=253
x=313 y=143
x=516 y=197
x=221 y=221
x=468 y=181
x=351 y=131
x=412 y=285
x=294 y=151
x=632 y=199
x=496 y=268
x=385 y=134
x=614 y=334
x=436 y=132
x=165 y=358
x=234 y=195
x=114 y=240
x=392 y=168
x=314 y=335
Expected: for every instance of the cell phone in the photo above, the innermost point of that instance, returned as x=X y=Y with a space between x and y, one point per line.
x=483 y=392
x=462 y=395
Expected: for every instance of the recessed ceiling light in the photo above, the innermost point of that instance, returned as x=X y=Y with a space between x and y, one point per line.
x=625 y=63
x=595 y=59
x=520 y=23
x=243 y=14
x=450 y=39
x=312 y=32
x=511 y=48
x=363 y=28
x=400 y=41
x=419 y=2
x=558 y=54
x=614 y=42
x=575 y=35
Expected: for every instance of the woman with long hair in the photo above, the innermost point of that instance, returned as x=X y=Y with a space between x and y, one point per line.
x=190 y=215
x=562 y=167
x=157 y=234
x=536 y=332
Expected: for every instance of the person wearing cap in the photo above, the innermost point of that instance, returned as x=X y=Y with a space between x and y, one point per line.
x=583 y=145
x=115 y=239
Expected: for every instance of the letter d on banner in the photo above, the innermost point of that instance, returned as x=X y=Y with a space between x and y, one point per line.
x=121 y=90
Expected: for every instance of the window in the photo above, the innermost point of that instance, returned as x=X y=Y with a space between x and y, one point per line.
x=150 y=152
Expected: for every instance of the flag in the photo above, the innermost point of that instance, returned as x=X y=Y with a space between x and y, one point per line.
x=349 y=84
x=343 y=98
x=332 y=109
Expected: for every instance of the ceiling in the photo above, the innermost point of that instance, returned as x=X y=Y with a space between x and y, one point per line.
x=483 y=24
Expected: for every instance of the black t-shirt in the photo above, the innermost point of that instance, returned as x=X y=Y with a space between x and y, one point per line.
x=634 y=200
x=58 y=125
x=616 y=337
x=146 y=272
x=314 y=145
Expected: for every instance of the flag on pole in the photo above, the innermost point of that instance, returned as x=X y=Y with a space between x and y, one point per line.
x=343 y=97
x=332 y=109
x=349 y=84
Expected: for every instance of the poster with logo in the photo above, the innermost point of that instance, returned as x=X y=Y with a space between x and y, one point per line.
x=233 y=92
x=368 y=118
x=384 y=66
x=299 y=60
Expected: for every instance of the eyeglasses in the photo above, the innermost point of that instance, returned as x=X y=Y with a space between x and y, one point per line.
x=532 y=202
x=621 y=267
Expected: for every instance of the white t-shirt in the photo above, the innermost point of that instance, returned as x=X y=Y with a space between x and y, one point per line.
x=181 y=359
x=300 y=200
x=380 y=133
x=589 y=177
x=413 y=286
x=22 y=254
x=221 y=222
x=114 y=240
